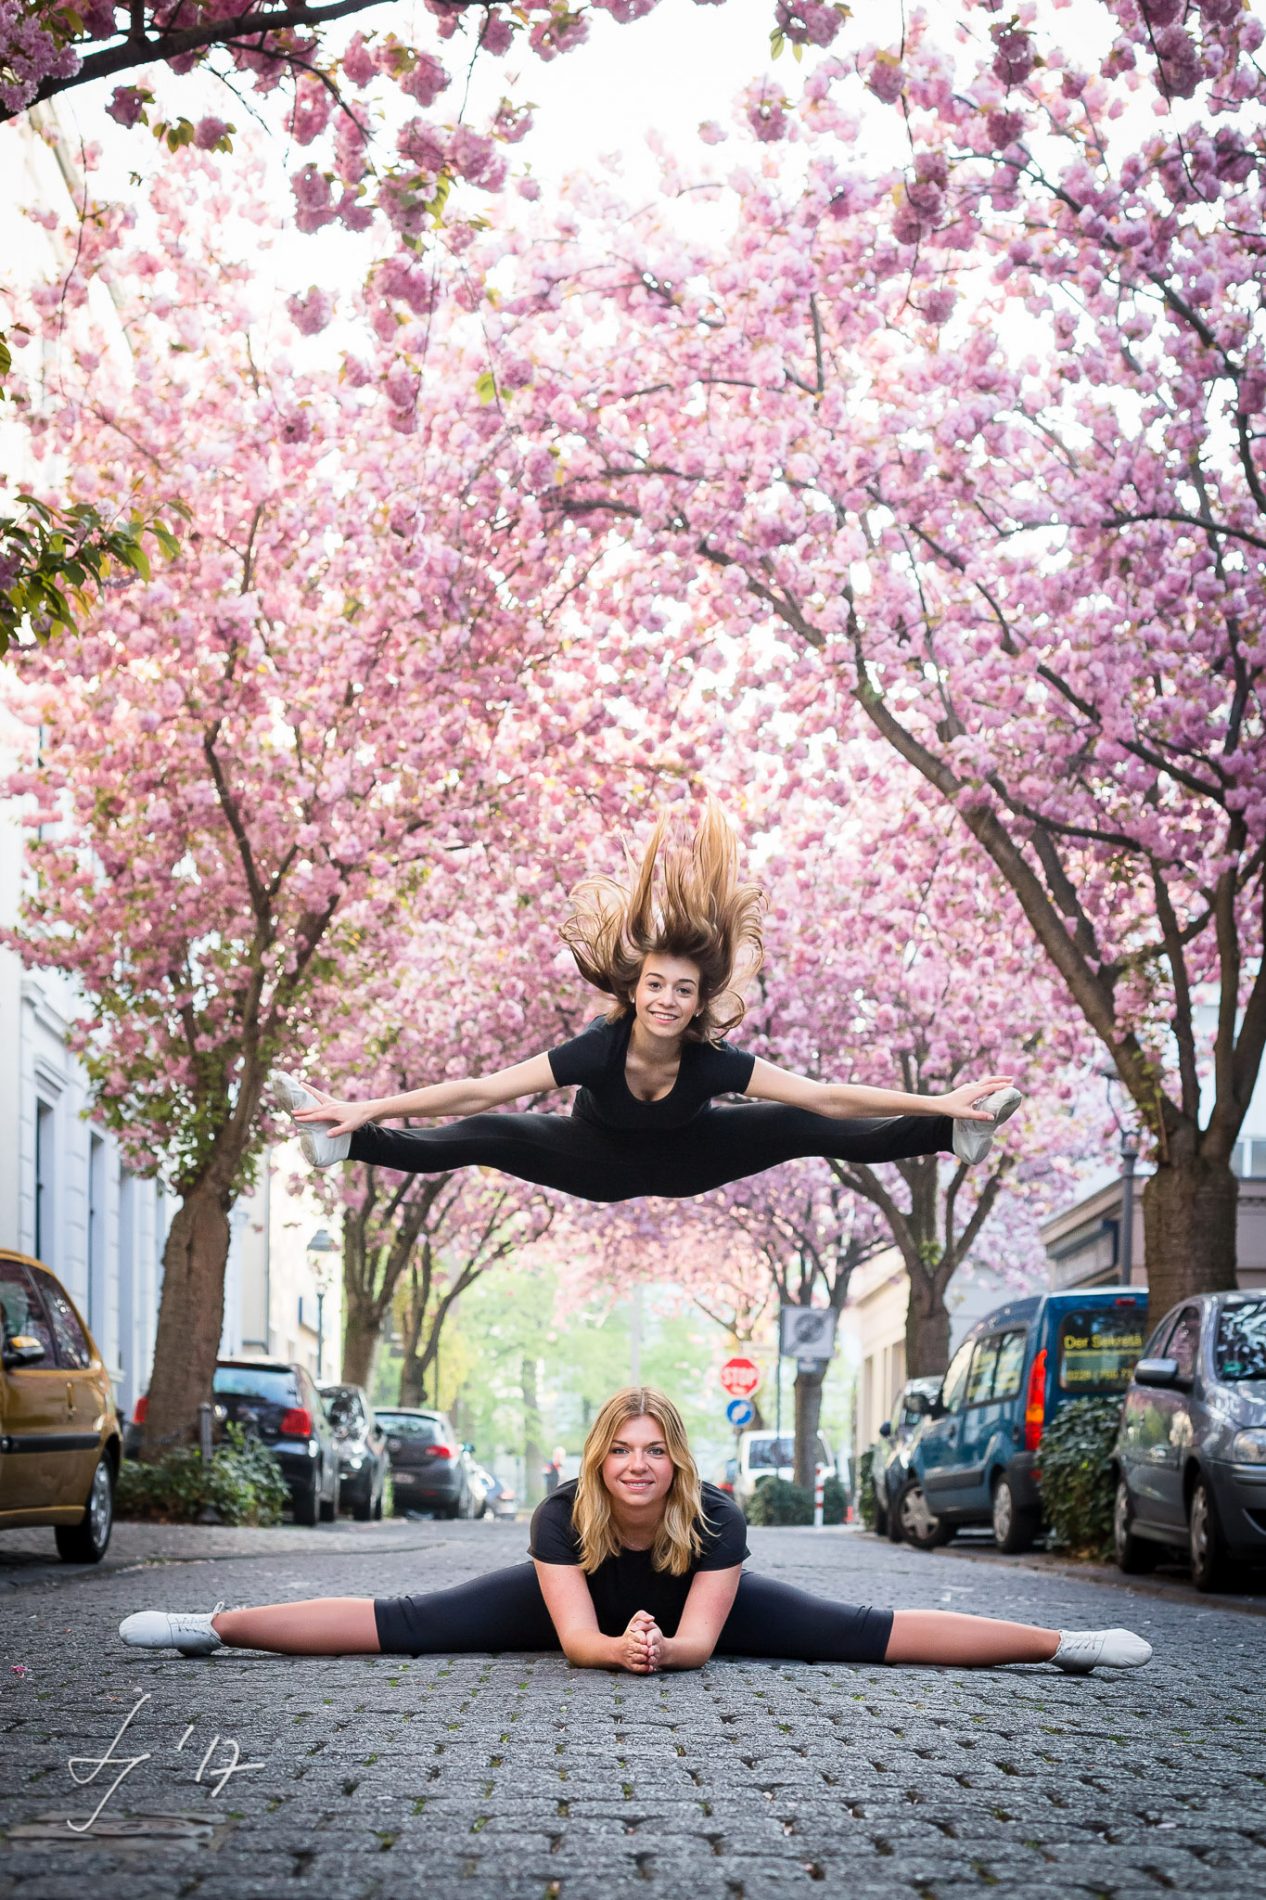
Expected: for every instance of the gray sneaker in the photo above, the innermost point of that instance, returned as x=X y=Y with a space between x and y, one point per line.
x=188 y=1632
x=319 y=1148
x=973 y=1140
x=1080 y=1651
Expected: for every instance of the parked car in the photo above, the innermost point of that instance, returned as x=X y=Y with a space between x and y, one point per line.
x=499 y=1499
x=974 y=1459
x=278 y=1403
x=890 y=1460
x=1190 y=1456
x=428 y=1465
x=363 y=1464
x=60 y=1441
x=763 y=1455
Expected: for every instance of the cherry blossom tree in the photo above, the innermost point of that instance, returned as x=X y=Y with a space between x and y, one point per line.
x=974 y=451
x=253 y=761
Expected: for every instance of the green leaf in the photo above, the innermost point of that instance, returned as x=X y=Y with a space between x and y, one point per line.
x=777 y=40
x=486 y=387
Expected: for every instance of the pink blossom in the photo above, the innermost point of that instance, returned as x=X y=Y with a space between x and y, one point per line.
x=127 y=104
x=886 y=78
x=311 y=311
x=209 y=132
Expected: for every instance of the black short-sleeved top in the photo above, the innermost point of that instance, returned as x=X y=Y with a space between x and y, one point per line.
x=623 y=1585
x=595 y=1059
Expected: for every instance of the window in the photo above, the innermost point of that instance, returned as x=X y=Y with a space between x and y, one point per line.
x=73 y=1349
x=1006 y=1380
x=21 y=1311
x=1239 y=1352
x=423 y=1431
x=1184 y=1342
x=956 y=1378
x=275 y=1385
x=980 y=1378
x=1098 y=1348
x=45 y=1136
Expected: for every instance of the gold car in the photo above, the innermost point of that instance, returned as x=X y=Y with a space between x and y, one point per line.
x=59 y=1431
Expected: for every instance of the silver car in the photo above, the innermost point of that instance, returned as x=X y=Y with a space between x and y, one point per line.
x=1190 y=1455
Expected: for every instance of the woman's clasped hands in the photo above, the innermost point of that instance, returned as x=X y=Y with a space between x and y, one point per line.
x=642 y=1645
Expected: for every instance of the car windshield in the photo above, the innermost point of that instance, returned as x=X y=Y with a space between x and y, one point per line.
x=408 y=1425
x=273 y=1384
x=766 y=1454
x=1098 y=1348
x=1239 y=1351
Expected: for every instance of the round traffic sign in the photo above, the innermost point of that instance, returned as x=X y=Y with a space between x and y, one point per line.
x=740 y=1377
x=740 y=1412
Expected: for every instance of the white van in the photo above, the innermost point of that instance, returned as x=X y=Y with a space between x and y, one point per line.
x=763 y=1455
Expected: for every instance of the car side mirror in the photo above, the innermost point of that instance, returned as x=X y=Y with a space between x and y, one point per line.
x=1156 y=1372
x=919 y=1404
x=885 y=1430
x=21 y=1349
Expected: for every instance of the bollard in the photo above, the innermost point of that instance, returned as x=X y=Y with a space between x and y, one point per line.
x=204 y=1431
x=818 y=1489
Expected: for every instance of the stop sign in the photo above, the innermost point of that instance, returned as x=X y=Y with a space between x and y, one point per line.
x=740 y=1377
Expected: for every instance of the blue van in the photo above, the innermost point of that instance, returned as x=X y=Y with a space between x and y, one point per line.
x=973 y=1459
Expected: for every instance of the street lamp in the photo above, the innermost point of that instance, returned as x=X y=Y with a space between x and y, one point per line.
x=1129 y=1155
x=319 y=1249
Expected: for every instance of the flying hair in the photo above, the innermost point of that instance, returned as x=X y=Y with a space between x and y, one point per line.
x=682 y=899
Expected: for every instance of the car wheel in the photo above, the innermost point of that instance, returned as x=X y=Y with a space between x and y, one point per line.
x=893 y=1515
x=1209 y=1564
x=308 y=1506
x=881 y=1520
x=363 y=1507
x=1134 y=1555
x=920 y=1526
x=1013 y=1529
x=329 y=1506
x=86 y=1543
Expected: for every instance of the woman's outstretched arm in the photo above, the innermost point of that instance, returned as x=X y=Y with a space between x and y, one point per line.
x=710 y=1600
x=572 y=1613
x=843 y=1099
x=472 y=1096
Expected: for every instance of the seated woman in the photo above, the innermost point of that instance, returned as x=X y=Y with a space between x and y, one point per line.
x=636 y=1565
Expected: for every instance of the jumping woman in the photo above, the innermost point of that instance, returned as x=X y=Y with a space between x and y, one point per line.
x=671 y=949
x=636 y=1565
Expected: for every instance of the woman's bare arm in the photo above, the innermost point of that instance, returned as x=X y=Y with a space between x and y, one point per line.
x=711 y=1598
x=571 y=1611
x=844 y=1099
x=471 y=1096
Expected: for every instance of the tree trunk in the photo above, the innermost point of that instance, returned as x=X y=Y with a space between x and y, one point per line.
x=533 y=1452
x=412 y=1383
x=927 y=1326
x=190 y=1317
x=1189 y=1239
x=808 y=1391
x=360 y=1345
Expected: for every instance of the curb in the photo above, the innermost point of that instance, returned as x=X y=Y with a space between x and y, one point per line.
x=1173 y=1592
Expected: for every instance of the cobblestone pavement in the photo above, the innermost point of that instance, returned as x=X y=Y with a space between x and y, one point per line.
x=521 y=1779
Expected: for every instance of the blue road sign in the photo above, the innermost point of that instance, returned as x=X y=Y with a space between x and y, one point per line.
x=740 y=1412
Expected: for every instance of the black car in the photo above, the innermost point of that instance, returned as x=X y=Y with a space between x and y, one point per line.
x=363 y=1463
x=428 y=1465
x=1190 y=1455
x=890 y=1461
x=279 y=1404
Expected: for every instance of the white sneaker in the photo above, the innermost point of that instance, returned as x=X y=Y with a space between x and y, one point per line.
x=1080 y=1651
x=191 y=1634
x=319 y=1148
x=973 y=1140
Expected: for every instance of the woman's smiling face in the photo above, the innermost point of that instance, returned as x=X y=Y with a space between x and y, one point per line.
x=637 y=1470
x=667 y=995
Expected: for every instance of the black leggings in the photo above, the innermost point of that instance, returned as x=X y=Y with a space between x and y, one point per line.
x=595 y=1163
x=506 y=1611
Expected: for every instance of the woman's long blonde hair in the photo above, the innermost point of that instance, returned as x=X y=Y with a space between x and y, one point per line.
x=684 y=899
x=677 y=1541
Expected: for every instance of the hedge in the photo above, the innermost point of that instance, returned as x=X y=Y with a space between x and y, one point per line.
x=1078 y=1489
x=777 y=1502
x=242 y=1484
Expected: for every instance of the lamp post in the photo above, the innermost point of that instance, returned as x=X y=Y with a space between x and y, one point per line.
x=319 y=1249
x=1129 y=1155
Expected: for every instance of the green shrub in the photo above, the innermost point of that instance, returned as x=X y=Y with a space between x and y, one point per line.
x=242 y=1484
x=777 y=1502
x=1077 y=1484
x=867 y=1502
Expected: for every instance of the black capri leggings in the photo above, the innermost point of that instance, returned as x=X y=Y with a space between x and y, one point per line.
x=595 y=1163
x=506 y=1611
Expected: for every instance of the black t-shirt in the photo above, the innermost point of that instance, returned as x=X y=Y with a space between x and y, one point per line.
x=595 y=1060
x=623 y=1585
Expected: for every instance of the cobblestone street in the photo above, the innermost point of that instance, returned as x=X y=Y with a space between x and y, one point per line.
x=525 y=1779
